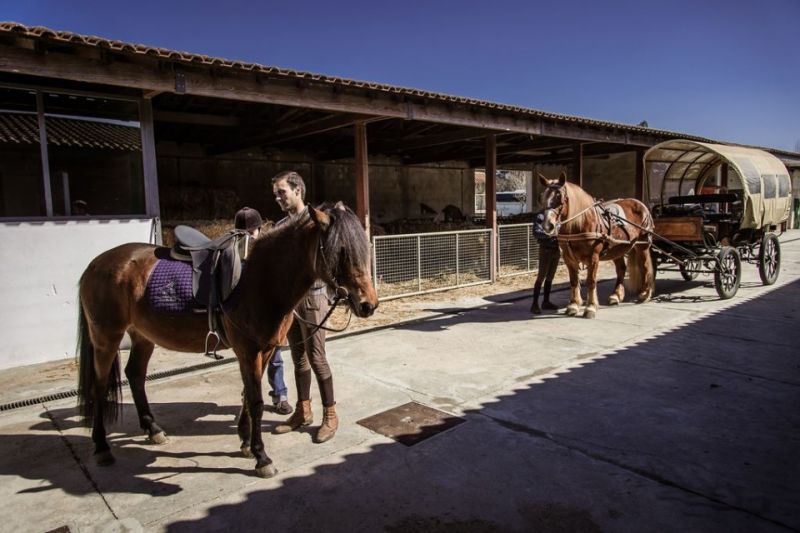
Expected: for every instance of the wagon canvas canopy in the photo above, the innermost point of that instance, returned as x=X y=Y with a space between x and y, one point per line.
x=683 y=167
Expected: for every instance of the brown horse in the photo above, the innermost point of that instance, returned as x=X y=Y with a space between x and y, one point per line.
x=328 y=244
x=591 y=231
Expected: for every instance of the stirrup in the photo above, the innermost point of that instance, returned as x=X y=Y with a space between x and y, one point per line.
x=213 y=353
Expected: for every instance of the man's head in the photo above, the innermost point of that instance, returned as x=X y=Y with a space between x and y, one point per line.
x=290 y=191
x=248 y=219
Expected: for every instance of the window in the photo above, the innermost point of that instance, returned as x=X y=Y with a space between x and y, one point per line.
x=93 y=152
x=21 y=185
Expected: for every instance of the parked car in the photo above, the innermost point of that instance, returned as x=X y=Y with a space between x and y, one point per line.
x=511 y=203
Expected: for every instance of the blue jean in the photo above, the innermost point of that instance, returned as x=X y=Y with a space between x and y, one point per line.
x=279 y=391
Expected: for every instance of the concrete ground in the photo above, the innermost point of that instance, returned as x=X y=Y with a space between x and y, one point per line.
x=676 y=415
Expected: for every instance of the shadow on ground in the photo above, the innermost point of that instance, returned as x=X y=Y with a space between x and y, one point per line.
x=673 y=433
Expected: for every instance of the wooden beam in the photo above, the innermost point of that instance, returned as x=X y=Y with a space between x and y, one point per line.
x=198 y=119
x=577 y=165
x=144 y=73
x=491 y=199
x=295 y=131
x=362 y=174
x=423 y=142
x=150 y=170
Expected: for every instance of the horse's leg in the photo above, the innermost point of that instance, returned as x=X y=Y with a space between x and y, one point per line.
x=645 y=264
x=243 y=427
x=575 y=300
x=252 y=369
x=591 y=287
x=618 y=295
x=136 y=372
x=105 y=358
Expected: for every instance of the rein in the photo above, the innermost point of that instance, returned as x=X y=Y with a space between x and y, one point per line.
x=340 y=293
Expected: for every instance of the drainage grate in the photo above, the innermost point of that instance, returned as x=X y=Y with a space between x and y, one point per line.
x=411 y=423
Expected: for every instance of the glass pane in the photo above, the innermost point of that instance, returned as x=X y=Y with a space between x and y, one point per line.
x=21 y=184
x=95 y=155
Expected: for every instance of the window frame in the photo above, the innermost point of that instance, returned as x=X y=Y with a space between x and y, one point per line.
x=149 y=175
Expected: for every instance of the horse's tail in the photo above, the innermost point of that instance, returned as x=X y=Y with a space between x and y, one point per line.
x=87 y=379
x=640 y=269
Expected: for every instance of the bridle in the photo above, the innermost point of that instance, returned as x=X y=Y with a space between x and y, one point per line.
x=339 y=292
x=565 y=202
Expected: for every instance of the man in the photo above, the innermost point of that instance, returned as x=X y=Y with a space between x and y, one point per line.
x=306 y=340
x=250 y=220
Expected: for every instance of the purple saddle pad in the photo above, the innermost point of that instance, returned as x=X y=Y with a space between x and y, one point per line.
x=169 y=288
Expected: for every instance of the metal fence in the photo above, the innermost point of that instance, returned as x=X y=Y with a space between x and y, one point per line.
x=417 y=263
x=517 y=250
x=427 y=262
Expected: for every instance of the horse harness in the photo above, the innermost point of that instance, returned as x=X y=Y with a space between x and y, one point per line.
x=608 y=215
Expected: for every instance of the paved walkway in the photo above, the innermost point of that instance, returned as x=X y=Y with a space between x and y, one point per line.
x=676 y=415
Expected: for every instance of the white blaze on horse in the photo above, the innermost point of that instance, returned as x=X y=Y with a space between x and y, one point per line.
x=591 y=231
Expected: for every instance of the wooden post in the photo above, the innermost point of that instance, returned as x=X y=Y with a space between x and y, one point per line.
x=362 y=174
x=150 y=172
x=491 y=200
x=577 y=165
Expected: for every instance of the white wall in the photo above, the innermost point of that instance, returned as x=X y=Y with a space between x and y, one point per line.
x=40 y=265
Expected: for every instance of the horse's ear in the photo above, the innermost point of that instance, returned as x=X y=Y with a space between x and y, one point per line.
x=543 y=179
x=340 y=206
x=320 y=218
x=562 y=179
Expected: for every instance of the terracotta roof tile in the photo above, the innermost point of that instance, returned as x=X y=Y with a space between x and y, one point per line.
x=22 y=128
x=40 y=32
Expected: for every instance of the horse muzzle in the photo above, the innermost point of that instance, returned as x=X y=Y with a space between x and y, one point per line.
x=550 y=223
x=363 y=308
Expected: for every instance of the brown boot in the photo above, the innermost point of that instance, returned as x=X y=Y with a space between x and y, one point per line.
x=330 y=423
x=302 y=417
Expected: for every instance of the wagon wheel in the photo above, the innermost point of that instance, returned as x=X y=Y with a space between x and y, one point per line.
x=728 y=273
x=769 y=259
x=690 y=269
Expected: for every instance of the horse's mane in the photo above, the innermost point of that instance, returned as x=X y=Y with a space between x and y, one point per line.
x=579 y=200
x=345 y=235
x=345 y=242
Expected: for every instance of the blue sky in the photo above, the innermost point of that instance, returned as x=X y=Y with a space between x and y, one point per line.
x=724 y=69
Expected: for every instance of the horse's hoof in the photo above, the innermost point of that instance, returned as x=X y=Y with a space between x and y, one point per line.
x=246 y=452
x=589 y=313
x=613 y=300
x=266 y=471
x=158 y=438
x=104 y=458
x=644 y=298
x=571 y=311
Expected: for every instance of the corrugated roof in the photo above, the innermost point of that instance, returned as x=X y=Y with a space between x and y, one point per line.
x=22 y=128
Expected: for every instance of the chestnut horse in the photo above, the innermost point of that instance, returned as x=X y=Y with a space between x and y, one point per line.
x=591 y=231
x=328 y=243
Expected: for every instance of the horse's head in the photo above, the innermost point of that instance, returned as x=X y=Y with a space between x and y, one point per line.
x=555 y=202
x=344 y=259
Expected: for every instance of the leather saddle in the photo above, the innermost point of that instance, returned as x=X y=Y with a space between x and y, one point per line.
x=216 y=270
